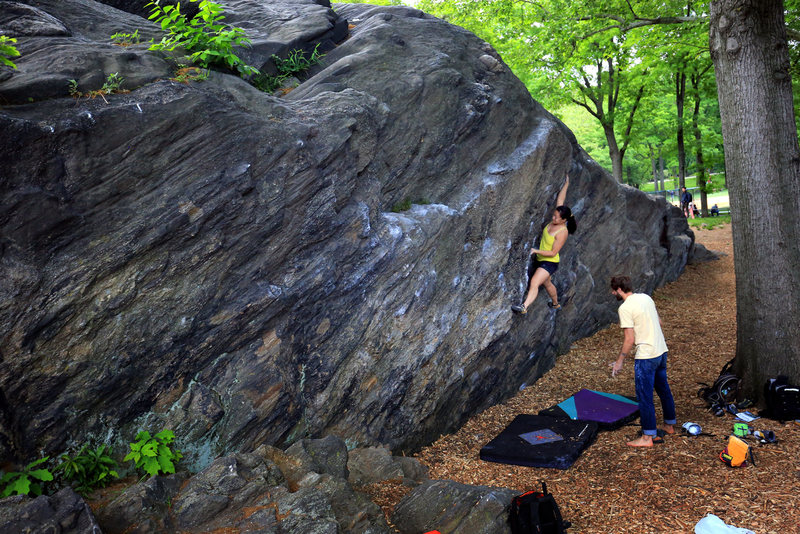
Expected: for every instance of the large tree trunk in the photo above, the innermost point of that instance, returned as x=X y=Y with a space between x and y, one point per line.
x=762 y=159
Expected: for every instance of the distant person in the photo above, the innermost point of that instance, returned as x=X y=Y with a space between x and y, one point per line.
x=686 y=199
x=553 y=238
x=641 y=326
x=693 y=211
x=714 y=210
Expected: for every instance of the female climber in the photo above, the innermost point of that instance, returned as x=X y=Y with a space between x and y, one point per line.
x=553 y=238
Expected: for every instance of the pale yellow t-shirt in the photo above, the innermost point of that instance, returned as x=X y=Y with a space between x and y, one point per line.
x=639 y=312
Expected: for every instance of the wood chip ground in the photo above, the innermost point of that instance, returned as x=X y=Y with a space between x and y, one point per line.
x=613 y=488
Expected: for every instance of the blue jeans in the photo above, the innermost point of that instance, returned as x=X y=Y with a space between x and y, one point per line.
x=652 y=374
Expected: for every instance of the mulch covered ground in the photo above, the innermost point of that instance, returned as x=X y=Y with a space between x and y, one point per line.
x=613 y=488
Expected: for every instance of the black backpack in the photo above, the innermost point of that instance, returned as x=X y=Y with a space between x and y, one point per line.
x=722 y=392
x=783 y=399
x=536 y=512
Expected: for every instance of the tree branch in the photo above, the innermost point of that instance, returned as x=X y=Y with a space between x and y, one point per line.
x=586 y=107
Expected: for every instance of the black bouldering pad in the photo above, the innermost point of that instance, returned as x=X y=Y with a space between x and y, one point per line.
x=540 y=441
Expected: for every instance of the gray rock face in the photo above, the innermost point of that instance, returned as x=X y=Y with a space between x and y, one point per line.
x=248 y=493
x=226 y=263
x=373 y=464
x=145 y=505
x=64 y=513
x=450 y=507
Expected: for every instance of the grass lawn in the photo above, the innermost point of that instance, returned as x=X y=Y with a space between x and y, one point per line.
x=718 y=182
x=709 y=223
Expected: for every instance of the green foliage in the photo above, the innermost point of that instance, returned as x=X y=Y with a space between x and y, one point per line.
x=73 y=88
x=89 y=468
x=374 y=2
x=112 y=83
x=25 y=481
x=8 y=50
x=295 y=63
x=154 y=454
x=126 y=39
x=206 y=38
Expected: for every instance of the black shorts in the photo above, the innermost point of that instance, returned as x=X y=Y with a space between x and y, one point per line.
x=549 y=266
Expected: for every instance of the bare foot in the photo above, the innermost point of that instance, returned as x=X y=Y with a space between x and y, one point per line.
x=669 y=429
x=641 y=441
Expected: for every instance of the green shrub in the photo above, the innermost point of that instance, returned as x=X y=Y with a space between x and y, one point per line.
x=208 y=41
x=154 y=454
x=24 y=482
x=89 y=468
x=295 y=63
x=8 y=50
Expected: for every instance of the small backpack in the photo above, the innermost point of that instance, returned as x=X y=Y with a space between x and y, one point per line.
x=783 y=399
x=536 y=512
x=737 y=453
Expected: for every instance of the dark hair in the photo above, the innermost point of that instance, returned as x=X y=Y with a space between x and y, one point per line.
x=567 y=215
x=623 y=283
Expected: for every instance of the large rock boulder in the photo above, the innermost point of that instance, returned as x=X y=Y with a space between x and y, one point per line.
x=248 y=269
x=451 y=507
x=249 y=493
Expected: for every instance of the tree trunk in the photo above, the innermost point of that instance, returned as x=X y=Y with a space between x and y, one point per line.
x=653 y=166
x=614 y=152
x=680 y=99
x=698 y=139
x=762 y=159
x=661 y=168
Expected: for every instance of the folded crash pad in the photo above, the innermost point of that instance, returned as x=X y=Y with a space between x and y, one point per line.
x=606 y=409
x=540 y=441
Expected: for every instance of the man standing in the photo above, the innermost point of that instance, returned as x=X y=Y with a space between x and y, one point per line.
x=641 y=326
x=686 y=199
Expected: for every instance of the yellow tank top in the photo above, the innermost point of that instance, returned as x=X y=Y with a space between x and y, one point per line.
x=546 y=243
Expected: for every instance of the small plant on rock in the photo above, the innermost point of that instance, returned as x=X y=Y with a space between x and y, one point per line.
x=73 y=88
x=111 y=85
x=89 y=468
x=25 y=482
x=295 y=63
x=8 y=50
x=154 y=454
x=126 y=39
